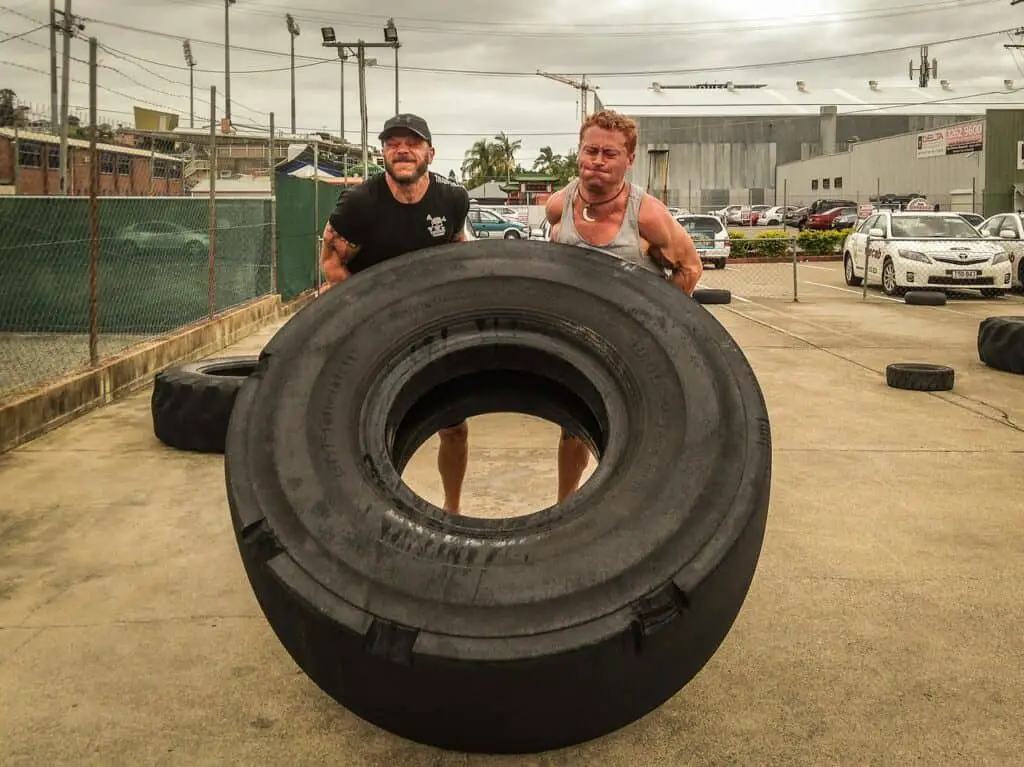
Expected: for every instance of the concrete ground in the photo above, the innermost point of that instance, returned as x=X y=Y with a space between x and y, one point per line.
x=885 y=625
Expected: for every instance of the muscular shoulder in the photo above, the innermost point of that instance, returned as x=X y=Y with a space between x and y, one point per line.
x=653 y=216
x=555 y=205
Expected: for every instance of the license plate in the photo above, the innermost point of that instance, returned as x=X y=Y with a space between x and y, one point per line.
x=964 y=274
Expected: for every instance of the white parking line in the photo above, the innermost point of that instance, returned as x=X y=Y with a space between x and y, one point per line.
x=859 y=292
x=821 y=268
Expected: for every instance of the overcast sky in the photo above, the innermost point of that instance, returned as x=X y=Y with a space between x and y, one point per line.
x=653 y=38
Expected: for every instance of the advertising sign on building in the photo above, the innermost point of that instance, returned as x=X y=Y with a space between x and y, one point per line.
x=954 y=139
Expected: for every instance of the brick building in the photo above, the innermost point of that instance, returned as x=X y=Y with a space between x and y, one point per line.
x=124 y=171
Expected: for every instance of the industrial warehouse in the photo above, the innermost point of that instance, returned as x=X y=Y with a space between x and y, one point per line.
x=704 y=146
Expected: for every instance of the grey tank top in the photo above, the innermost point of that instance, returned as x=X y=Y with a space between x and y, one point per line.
x=626 y=243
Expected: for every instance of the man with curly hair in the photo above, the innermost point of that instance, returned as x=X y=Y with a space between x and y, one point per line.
x=602 y=210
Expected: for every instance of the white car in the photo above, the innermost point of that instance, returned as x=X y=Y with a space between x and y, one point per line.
x=774 y=216
x=926 y=250
x=1009 y=228
x=710 y=236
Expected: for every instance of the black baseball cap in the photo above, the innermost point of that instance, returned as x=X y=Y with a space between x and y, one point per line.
x=407 y=122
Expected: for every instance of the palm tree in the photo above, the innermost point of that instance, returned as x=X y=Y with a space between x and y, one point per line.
x=547 y=161
x=507 y=149
x=483 y=162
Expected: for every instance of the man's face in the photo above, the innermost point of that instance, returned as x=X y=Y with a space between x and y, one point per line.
x=406 y=157
x=603 y=159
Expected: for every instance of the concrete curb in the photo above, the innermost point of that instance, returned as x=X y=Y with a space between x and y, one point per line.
x=787 y=259
x=34 y=413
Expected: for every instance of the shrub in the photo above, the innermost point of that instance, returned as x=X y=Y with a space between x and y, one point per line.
x=773 y=243
x=821 y=243
x=741 y=246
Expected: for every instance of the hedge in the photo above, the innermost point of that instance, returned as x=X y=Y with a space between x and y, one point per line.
x=775 y=243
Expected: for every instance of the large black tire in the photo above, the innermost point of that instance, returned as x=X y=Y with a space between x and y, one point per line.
x=1001 y=343
x=919 y=376
x=191 y=404
x=501 y=635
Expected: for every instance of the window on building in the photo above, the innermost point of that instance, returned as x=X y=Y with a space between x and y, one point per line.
x=814 y=184
x=159 y=169
x=174 y=170
x=838 y=183
x=30 y=154
x=106 y=163
x=53 y=157
x=124 y=165
x=825 y=183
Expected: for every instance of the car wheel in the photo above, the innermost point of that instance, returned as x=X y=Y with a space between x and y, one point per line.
x=848 y=273
x=889 y=286
x=720 y=263
x=511 y=234
x=1020 y=276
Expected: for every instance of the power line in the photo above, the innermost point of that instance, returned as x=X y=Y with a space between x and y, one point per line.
x=22 y=34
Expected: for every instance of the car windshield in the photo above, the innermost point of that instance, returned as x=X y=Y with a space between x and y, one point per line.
x=701 y=228
x=923 y=227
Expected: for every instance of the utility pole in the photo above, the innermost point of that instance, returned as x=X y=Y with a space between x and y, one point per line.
x=190 y=60
x=227 y=62
x=360 y=46
x=293 y=32
x=391 y=36
x=925 y=71
x=581 y=85
x=342 y=57
x=53 y=67
x=69 y=27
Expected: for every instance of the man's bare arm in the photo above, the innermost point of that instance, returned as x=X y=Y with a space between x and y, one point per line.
x=670 y=244
x=335 y=254
x=553 y=210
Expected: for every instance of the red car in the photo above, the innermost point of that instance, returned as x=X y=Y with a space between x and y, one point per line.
x=824 y=220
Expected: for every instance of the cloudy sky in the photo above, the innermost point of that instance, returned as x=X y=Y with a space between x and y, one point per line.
x=470 y=67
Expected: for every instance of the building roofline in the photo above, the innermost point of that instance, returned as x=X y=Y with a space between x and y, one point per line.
x=49 y=138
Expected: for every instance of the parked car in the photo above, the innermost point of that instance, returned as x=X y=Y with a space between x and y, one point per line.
x=797 y=217
x=775 y=215
x=845 y=220
x=710 y=237
x=755 y=213
x=824 y=219
x=1010 y=228
x=922 y=249
x=542 y=232
x=505 y=211
x=488 y=224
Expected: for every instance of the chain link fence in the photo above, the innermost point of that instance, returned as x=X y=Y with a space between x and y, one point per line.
x=160 y=265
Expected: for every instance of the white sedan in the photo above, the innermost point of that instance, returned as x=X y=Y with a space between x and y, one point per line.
x=904 y=250
x=1009 y=228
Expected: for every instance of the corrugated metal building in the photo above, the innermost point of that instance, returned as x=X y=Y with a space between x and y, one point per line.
x=708 y=146
x=972 y=166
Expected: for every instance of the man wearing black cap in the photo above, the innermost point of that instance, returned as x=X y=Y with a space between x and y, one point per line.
x=406 y=208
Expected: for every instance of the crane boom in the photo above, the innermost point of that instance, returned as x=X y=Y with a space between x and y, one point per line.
x=580 y=85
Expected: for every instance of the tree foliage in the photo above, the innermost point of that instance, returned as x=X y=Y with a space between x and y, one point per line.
x=494 y=159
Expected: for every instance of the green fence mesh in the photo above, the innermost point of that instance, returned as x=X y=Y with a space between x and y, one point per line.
x=153 y=275
x=299 y=224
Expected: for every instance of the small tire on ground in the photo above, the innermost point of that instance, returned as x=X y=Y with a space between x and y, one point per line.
x=1001 y=343
x=500 y=635
x=925 y=298
x=712 y=296
x=192 y=403
x=919 y=376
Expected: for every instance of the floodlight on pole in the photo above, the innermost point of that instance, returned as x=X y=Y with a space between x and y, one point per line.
x=391 y=36
x=191 y=62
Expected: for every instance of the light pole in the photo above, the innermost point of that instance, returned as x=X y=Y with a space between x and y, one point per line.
x=190 y=60
x=227 y=62
x=391 y=36
x=293 y=32
x=327 y=33
x=331 y=41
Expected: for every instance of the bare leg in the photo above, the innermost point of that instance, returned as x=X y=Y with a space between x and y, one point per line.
x=573 y=457
x=452 y=458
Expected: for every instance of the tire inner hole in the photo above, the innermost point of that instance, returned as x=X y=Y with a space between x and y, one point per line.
x=504 y=392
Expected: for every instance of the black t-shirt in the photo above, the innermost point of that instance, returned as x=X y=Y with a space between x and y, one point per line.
x=371 y=217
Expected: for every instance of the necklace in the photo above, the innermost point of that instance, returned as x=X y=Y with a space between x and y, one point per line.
x=587 y=204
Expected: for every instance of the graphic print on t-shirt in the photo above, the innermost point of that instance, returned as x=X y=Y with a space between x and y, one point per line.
x=436 y=225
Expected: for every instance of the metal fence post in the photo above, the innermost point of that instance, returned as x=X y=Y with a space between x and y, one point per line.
x=94 y=214
x=795 y=274
x=867 y=253
x=273 y=212
x=318 y=284
x=211 y=277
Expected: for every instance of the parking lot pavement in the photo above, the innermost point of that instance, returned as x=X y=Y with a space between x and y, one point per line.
x=882 y=627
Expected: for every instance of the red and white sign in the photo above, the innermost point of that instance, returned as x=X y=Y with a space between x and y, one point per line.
x=954 y=139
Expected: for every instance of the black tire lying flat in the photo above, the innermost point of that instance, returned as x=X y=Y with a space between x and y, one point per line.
x=919 y=376
x=925 y=298
x=191 y=403
x=1001 y=343
x=501 y=635
x=712 y=296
